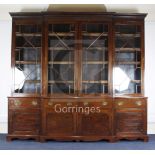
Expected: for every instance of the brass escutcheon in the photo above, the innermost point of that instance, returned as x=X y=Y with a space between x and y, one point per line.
x=104 y=103
x=69 y=104
x=17 y=102
x=120 y=103
x=139 y=103
x=50 y=103
x=34 y=103
x=85 y=103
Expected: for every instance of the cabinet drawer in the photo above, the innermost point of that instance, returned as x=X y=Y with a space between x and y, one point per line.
x=23 y=103
x=130 y=103
x=102 y=104
x=52 y=103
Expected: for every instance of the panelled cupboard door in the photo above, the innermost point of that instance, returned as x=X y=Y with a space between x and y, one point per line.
x=95 y=120
x=130 y=122
x=57 y=120
x=24 y=122
x=97 y=124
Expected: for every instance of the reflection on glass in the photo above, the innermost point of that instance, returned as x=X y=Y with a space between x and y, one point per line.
x=19 y=79
x=121 y=80
x=127 y=73
x=27 y=59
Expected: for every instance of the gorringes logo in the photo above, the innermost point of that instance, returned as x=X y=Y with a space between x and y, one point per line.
x=71 y=109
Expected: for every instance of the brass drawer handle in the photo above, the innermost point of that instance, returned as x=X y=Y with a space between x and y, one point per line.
x=85 y=103
x=104 y=103
x=139 y=103
x=50 y=103
x=34 y=103
x=120 y=103
x=69 y=104
x=17 y=103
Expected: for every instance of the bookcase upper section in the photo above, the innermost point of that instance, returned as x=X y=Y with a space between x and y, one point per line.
x=77 y=53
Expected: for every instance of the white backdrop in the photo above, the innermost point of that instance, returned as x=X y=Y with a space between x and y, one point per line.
x=5 y=72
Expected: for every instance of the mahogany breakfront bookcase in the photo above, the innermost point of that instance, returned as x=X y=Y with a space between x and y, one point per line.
x=89 y=61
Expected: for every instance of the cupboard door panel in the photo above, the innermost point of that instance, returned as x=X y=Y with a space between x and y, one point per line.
x=130 y=122
x=25 y=122
x=95 y=124
x=58 y=119
x=59 y=124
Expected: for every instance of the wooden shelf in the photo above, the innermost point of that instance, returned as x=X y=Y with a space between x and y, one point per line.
x=127 y=49
x=94 y=34
x=127 y=35
x=62 y=34
x=28 y=34
x=61 y=62
x=27 y=62
x=28 y=48
x=91 y=81
x=32 y=81
x=136 y=81
x=55 y=81
x=95 y=62
x=128 y=63
x=96 y=48
x=60 y=48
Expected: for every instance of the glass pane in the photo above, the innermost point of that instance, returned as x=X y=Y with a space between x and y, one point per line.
x=61 y=48
x=95 y=58
x=127 y=71
x=27 y=75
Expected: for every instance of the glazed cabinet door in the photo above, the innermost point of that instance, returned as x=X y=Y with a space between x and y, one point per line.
x=26 y=57
x=128 y=58
x=24 y=116
x=58 y=118
x=61 y=58
x=95 y=58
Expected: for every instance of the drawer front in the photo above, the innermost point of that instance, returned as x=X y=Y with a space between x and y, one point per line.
x=23 y=103
x=130 y=103
x=101 y=103
x=58 y=105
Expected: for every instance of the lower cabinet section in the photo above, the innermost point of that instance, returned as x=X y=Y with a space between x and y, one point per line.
x=77 y=119
x=24 y=118
x=131 y=119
